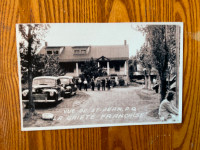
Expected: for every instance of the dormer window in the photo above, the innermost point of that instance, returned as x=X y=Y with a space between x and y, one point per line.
x=81 y=50
x=76 y=51
x=49 y=52
x=52 y=52
x=56 y=52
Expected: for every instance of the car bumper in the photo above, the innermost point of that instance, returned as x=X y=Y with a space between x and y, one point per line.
x=67 y=93
x=40 y=101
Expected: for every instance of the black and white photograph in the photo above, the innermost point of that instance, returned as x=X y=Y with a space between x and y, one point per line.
x=81 y=75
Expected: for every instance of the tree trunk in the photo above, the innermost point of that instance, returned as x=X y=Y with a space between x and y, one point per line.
x=31 y=103
x=163 y=87
x=149 y=82
x=146 y=82
x=163 y=74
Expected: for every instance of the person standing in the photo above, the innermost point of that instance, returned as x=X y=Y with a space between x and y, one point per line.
x=108 y=83
x=92 y=84
x=85 y=84
x=80 y=83
x=155 y=85
x=98 y=83
x=103 y=84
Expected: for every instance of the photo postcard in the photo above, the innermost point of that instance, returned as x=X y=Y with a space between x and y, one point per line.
x=81 y=75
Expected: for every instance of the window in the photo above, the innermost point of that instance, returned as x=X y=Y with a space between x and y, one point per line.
x=83 y=51
x=76 y=51
x=49 y=52
x=55 y=52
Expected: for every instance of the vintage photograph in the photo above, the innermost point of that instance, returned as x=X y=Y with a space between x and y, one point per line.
x=80 y=75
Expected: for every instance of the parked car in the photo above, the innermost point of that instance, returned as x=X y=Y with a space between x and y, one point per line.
x=45 y=89
x=69 y=85
x=114 y=80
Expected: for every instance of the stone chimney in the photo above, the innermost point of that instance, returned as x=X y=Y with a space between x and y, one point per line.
x=46 y=44
x=125 y=42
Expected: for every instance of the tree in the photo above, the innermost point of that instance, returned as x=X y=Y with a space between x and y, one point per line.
x=161 y=43
x=37 y=67
x=90 y=69
x=132 y=63
x=145 y=59
x=31 y=36
x=51 y=66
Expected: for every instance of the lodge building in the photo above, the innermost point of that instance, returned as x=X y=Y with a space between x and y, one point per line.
x=112 y=58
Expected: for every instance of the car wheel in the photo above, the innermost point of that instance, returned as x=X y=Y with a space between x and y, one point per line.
x=56 y=98
x=63 y=94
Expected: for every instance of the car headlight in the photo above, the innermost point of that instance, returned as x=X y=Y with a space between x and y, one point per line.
x=24 y=93
x=51 y=93
x=68 y=87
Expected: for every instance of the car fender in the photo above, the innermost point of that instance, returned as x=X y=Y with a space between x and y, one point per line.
x=26 y=90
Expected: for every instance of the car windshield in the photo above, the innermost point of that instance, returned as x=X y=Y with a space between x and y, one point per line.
x=65 y=81
x=49 y=82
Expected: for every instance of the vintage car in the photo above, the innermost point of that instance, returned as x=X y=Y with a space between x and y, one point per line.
x=114 y=80
x=45 y=89
x=69 y=85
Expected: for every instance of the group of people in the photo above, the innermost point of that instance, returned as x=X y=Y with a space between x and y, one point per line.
x=167 y=111
x=104 y=82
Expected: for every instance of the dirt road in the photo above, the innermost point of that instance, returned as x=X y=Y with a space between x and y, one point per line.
x=118 y=105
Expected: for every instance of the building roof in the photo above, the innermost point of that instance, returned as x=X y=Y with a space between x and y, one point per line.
x=112 y=52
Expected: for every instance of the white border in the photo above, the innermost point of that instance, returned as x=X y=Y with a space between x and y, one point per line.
x=107 y=125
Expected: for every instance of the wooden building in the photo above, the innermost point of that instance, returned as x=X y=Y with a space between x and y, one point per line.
x=112 y=58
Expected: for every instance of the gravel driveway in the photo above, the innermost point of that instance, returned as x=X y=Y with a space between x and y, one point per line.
x=119 y=105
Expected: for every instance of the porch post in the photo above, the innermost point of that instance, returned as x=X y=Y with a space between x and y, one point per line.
x=108 y=68
x=125 y=68
x=98 y=64
x=77 y=69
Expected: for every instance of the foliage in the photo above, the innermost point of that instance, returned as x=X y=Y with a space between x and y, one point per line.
x=145 y=59
x=159 y=51
x=37 y=66
x=31 y=36
x=51 y=66
x=132 y=63
x=90 y=69
x=161 y=42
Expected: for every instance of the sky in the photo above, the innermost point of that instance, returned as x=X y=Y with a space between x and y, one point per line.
x=84 y=34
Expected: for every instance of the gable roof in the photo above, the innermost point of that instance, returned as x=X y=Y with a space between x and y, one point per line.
x=112 y=52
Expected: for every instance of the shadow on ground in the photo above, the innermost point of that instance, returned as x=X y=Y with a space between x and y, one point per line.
x=45 y=105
